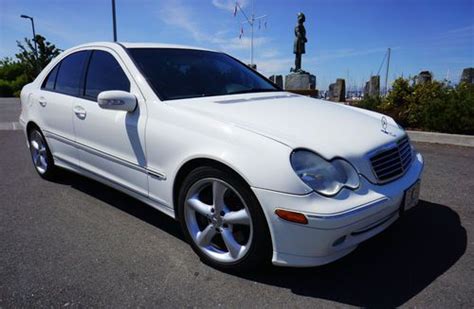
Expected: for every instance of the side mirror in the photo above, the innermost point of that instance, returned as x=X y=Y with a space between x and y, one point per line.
x=117 y=100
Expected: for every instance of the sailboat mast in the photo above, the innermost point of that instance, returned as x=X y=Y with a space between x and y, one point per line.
x=386 y=72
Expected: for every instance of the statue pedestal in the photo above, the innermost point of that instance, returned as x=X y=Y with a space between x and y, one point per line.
x=301 y=82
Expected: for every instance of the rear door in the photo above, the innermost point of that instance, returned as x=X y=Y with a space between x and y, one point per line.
x=55 y=104
x=111 y=143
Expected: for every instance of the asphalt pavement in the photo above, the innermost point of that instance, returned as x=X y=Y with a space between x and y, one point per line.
x=76 y=242
x=9 y=110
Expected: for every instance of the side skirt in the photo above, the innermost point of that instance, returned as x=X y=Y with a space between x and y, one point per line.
x=77 y=169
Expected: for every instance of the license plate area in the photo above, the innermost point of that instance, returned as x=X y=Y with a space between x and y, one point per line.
x=411 y=197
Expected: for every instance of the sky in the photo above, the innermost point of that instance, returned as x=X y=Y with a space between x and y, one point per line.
x=346 y=38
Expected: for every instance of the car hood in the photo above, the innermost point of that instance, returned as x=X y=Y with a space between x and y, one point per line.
x=327 y=128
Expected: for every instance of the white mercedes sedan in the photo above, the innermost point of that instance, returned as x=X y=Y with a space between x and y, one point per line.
x=252 y=173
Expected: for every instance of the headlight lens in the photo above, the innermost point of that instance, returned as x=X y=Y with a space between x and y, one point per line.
x=325 y=177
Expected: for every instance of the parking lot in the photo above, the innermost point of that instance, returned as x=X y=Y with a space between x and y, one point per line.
x=77 y=242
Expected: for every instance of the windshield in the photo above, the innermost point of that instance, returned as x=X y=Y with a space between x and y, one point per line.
x=184 y=73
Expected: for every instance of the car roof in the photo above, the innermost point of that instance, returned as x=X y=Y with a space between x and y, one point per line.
x=140 y=45
x=159 y=45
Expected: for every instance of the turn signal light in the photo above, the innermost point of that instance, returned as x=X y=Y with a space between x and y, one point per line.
x=291 y=216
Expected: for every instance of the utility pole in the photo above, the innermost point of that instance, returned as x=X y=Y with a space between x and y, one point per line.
x=386 y=72
x=34 y=33
x=114 y=21
x=251 y=21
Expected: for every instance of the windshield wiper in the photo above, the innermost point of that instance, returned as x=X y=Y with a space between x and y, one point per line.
x=253 y=90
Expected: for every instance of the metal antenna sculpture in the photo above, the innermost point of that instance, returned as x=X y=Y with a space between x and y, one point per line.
x=249 y=19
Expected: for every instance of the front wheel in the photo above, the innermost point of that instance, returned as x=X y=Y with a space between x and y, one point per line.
x=40 y=154
x=222 y=220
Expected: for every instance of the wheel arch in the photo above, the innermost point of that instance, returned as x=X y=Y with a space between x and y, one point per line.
x=32 y=125
x=194 y=163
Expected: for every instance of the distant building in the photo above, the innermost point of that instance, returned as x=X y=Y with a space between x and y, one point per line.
x=468 y=76
x=337 y=91
x=424 y=77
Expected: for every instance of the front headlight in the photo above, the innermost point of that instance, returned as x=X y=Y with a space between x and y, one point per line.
x=324 y=177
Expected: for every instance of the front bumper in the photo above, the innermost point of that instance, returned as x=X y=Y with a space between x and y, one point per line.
x=336 y=225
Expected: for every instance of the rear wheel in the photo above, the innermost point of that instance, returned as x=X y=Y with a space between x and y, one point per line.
x=40 y=154
x=222 y=220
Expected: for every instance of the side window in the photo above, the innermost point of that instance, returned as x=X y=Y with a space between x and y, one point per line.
x=49 y=82
x=104 y=73
x=69 y=76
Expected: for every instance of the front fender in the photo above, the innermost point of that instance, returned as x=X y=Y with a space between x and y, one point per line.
x=176 y=136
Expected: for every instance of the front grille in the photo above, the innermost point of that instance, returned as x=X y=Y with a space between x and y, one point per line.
x=392 y=162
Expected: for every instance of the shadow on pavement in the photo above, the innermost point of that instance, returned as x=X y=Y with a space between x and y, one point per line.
x=120 y=201
x=386 y=271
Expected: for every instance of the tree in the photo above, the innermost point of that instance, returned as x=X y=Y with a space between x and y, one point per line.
x=14 y=74
x=27 y=56
x=400 y=92
x=12 y=77
x=10 y=69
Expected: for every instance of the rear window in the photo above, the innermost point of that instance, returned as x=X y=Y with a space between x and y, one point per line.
x=49 y=82
x=68 y=79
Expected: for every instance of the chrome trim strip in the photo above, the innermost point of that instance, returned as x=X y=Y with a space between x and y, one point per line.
x=279 y=96
x=352 y=211
x=80 y=168
x=154 y=173
x=376 y=224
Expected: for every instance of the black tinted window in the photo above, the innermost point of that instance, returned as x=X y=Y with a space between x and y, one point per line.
x=184 y=73
x=104 y=73
x=70 y=72
x=49 y=82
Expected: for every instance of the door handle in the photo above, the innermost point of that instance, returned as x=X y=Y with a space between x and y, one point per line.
x=42 y=102
x=80 y=112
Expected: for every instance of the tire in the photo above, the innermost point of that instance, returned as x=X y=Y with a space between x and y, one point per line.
x=41 y=157
x=239 y=242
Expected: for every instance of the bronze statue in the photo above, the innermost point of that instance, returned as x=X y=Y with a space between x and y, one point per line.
x=300 y=40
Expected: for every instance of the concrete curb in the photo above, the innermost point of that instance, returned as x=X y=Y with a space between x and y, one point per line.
x=441 y=138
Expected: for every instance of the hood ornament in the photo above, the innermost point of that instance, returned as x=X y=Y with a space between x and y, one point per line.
x=385 y=126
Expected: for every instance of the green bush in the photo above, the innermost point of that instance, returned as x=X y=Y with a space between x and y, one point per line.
x=453 y=112
x=372 y=102
x=12 y=77
x=433 y=106
x=10 y=69
x=6 y=89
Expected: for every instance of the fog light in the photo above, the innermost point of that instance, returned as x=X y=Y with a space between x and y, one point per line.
x=291 y=216
x=339 y=241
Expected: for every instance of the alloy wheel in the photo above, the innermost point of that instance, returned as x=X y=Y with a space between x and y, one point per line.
x=38 y=152
x=218 y=220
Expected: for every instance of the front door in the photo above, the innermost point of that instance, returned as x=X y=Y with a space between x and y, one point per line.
x=111 y=143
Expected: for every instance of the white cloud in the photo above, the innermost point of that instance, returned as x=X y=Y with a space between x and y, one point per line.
x=269 y=53
x=348 y=52
x=232 y=44
x=468 y=30
x=177 y=15
x=453 y=38
x=228 y=5
x=274 y=65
